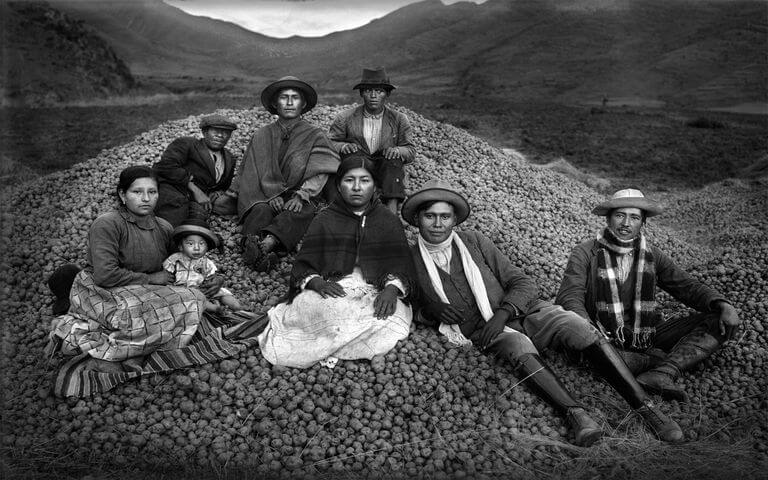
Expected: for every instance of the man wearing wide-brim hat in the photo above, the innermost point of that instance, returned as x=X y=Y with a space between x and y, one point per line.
x=282 y=176
x=612 y=280
x=474 y=294
x=378 y=132
x=194 y=173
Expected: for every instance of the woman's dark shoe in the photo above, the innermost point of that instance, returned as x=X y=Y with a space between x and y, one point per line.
x=251 y=251
x=267 y=262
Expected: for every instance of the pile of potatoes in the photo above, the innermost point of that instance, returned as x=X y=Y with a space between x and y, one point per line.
x=427 y=407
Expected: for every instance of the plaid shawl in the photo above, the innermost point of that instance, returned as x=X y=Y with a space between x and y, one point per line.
x=337 y=240
x=165 y=323
x=611 y=317
x=263 y=176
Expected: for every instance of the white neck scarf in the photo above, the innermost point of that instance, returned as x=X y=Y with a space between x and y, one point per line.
x=441 y=253
x=474 y=278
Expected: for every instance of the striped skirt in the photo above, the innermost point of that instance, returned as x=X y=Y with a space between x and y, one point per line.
x=164 y=326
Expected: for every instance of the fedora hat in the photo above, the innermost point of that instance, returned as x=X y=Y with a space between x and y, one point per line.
x=435 y=191
x=217 y=121
x=268 y=94
x=196 y=226
x=628 y=198
x=374 y=77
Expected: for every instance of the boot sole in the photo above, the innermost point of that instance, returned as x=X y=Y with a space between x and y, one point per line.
x=589 y=439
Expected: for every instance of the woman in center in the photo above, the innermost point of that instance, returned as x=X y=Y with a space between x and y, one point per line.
x=348 y=291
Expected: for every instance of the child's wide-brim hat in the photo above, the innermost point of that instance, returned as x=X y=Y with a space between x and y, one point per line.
x=195 y=226
x=628 y=198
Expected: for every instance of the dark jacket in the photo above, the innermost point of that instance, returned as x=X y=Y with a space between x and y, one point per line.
x=338 y=240
x=395 y=132
x=577 y=290
x=188 y=156
x=506 y=284
x=123 y=249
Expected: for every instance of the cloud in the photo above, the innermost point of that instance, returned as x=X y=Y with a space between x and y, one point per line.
x=285 y=18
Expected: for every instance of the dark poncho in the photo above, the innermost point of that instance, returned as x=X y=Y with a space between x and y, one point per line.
x=337 y=240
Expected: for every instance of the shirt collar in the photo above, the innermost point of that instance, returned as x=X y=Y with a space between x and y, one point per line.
x=372 y=116
x=146 y=222
x=438 y=247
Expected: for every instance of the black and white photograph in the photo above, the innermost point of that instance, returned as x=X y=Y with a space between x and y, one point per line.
x=383 y=239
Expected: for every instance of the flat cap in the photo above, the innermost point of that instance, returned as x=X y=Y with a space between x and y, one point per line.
x=217 y=121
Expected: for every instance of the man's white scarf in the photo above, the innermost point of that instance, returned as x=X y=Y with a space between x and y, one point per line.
x=474 y=278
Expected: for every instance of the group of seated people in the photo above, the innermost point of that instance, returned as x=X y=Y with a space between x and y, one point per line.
x=356 y=284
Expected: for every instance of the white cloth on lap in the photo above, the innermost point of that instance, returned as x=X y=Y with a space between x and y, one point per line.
x=312 y=328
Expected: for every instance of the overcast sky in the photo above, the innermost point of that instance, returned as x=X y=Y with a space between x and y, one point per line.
x=284 y=18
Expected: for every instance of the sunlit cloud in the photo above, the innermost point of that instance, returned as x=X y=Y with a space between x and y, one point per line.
x=285 y=18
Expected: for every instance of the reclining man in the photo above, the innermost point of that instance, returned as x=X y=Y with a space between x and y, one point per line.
x=612 y=281
x=194 y=173
x=474 y=294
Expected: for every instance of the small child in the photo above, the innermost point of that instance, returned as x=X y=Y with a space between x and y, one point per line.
x=191 y=266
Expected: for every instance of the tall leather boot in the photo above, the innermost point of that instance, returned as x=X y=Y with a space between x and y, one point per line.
x=688 y=352
x=639 y=362
x=609 y=364
x=530 y=366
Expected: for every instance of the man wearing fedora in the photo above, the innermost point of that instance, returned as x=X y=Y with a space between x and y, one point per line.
x=282 y=175
x=471 y=291
x=194 y=173
x=612 y=279
x=379 y=132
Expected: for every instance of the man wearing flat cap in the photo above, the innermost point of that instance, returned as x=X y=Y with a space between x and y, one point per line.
x=378 y=132
x=194 y=173
x=471 y=291
x=612 y=281
x=282 y=175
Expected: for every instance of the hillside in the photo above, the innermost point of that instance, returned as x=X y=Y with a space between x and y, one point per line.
x=156 y=39
x=697 y=54
x=49 y=56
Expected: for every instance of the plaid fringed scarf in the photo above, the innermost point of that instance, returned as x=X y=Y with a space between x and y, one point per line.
x=610 y=308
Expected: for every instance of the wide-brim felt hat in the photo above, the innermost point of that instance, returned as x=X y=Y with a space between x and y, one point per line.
x=628 y=198
x=435 y=191
x=374 y=77
x=197 y=227
x=217 y=121
x=268 y=94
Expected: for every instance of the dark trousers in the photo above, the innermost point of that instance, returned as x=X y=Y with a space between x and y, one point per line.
x=175 y=206
x=670 y=332
x=288 y=227
x=389 y=176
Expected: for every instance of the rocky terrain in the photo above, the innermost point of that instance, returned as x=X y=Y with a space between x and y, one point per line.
x=427 y=408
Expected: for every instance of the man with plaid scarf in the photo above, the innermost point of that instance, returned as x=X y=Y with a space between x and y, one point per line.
x=612 y=281
x=473 y=294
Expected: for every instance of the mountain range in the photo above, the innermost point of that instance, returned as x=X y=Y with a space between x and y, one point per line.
x=703 y=53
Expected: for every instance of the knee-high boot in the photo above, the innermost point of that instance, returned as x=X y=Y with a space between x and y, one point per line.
x=544 y=381
x=688 y=352
x=609 y=364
